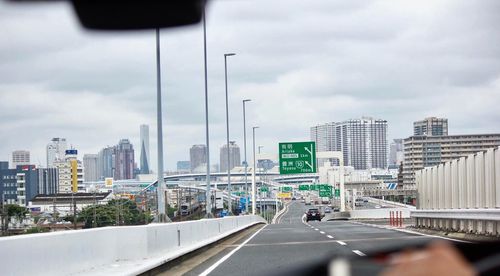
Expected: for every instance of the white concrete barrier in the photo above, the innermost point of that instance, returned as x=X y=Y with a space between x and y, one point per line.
x=382 y=213
x=123 y=250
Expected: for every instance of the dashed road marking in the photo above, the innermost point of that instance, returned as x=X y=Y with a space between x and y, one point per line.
x=359 y=253
x=342 y=243
x=330 y=237
x=316 y=229
x=322 y=232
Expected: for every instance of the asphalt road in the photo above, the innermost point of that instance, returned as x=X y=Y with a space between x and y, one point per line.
x=274 y=248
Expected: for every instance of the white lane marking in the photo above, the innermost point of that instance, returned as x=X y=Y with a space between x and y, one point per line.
x=408 y=231
x=223 y=259
x=359 y=253
x=322 y=232
x=316 y=229
x=330 y=237
x=341 y=243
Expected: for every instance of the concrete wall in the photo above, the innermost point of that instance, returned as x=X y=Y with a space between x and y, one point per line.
x=468 y=183
x=378 y=213
x=123 y=250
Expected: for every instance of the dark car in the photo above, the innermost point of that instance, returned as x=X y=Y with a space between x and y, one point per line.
x=313 y=214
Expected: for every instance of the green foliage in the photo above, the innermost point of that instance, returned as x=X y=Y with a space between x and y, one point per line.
x=123 y=210
x=16 y=211
x=36 y=229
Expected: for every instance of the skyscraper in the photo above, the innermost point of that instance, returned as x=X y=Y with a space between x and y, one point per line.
x=20 y=157
x=396 y=155
x=106 y=163
x=234 y=156
x=124 y=160
x=145 y=161
x=363 y=142
x=183 y=166
x=431 y=126
x=56 y=151
x=69 y=170
x=90 y=167
x=197 y=156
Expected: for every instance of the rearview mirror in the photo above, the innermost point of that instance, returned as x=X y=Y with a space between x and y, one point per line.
x=138 y=14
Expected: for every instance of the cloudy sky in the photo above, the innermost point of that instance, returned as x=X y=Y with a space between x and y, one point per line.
x=301 y=62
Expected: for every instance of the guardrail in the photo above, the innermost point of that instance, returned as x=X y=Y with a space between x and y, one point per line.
x=476 y=221
x=388 y=202
x=120 y=250
x=280 y=213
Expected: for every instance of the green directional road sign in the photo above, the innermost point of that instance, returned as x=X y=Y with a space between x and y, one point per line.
x=337 y=192
x=297 y=157
x=325 y=193
x=286 y=189
x=304 y=187
x=324 y=187
x=264 y=189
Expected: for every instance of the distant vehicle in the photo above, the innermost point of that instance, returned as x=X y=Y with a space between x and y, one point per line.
x=303 y=200
x=307 y=201
x=359 y=202
x=365 y=200
x=377 y=206
x=325 y=200
x=313 y=214
x=328 y=210
x=187 y=208
x=293 y=198
x=336 y=209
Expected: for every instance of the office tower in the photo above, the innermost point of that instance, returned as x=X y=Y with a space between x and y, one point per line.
x=363 y=142
x=396 y=155
x=106 y=162
x=20 y=157
x=197 y=156
x=124 y=160
x=428 y=151
x=144 y=148
x=431 y=126
x=48 y=181
x=56 y=151
x=183 y=166
x=234 y=156
x=90 y=167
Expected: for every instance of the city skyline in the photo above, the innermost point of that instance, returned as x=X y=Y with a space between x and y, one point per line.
x=362 y=68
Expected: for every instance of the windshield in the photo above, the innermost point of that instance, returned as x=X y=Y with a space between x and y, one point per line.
x=383 y=117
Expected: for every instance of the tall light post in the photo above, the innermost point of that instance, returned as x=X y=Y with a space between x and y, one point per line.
x=208 y=196
x=253 y=176
x=227 y=137
x=162 y=216
x=245 y=149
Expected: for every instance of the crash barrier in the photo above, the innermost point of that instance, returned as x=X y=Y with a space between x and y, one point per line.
x=117 y=250
x=449 y=193
x=476 y=221
x=382 y=213
x=396 y=218
x=280 y=213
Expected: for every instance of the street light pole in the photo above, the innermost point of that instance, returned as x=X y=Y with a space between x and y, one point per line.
x=227 y=136
x=208 y=195
x=253 y=176
x=162 y=216
x=245 y=149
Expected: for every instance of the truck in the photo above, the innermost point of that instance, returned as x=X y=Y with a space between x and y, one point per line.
x=307 y=200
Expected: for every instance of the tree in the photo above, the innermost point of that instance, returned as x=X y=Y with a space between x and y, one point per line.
x=12 y=211
x=115 y=212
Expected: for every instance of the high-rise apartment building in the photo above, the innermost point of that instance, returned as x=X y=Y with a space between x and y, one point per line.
x=431 y=126
x=70 y=172
x=19 y=185
x=124 y=160
x=20 y=157
x=363 y=142
x=145 y=164
x=234 y=156
x=427 y=151
x=90 y=167
x=197 y=156
x=56 y=151
x=396 y=155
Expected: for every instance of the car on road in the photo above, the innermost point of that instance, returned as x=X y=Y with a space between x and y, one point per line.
x=328 y=210
x=313 y=214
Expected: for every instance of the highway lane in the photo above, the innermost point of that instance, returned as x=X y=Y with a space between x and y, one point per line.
x=293 y=242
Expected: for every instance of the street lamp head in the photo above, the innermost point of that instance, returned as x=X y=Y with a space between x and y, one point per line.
x=247 y=100
x=229 y=54
x=255 y=127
